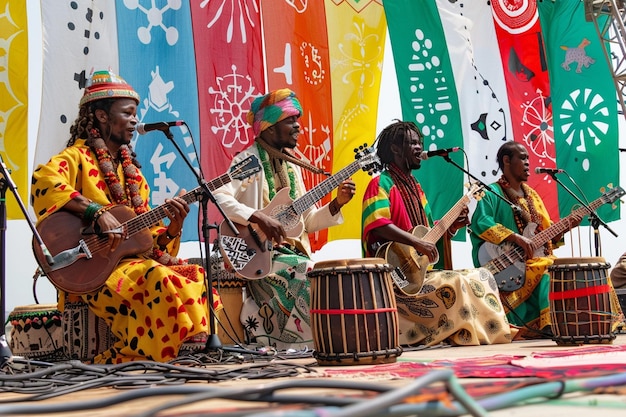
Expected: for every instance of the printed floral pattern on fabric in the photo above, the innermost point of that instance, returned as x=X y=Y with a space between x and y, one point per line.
x=277 y=313
x=458 y=307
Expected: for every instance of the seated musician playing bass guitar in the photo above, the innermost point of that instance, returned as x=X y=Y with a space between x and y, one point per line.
x=455 y=307
x=495 y=222
x=266 y=252
x=151 y=300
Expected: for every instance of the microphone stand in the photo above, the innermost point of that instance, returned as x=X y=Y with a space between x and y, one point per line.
x=213 y=342
x=7 y=183
x=595 y=220
x=482 y=184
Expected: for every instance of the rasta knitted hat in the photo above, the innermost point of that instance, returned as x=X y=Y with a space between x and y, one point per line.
x=273 y=107
x=106 y=84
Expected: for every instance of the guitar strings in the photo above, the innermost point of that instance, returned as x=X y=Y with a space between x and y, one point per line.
x=97 y=242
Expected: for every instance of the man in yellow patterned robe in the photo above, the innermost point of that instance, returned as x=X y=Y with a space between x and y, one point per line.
x=152 y=301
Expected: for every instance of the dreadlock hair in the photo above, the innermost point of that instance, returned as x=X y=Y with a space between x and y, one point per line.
x=507 y=149
x=85 y=122
x=396 y=133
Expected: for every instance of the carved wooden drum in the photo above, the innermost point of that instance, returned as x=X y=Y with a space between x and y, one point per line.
x=37 y=332
x=580 y=304
x=354 y=319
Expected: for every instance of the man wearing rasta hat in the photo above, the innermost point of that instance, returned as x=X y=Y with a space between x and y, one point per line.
x=277 y=313
x=152 y=301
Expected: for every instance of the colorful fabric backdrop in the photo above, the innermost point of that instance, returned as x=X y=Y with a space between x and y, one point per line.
x=557 y=98
x=471 y=74
x=14 y=105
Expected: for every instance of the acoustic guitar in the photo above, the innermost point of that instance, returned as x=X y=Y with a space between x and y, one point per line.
x=82 y=260
x=410 y=266
x=507 y=261
x=249 y=254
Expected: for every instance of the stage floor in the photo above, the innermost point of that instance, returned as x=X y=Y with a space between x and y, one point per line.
x=510 y=379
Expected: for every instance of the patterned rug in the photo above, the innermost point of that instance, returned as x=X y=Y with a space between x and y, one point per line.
x=506 y=372
x=581 y=362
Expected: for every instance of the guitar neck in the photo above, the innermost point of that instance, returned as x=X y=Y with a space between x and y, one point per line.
x=564 y=224
x=437 y=231
x=154 y=216
x=301 y=204
x=517 y=253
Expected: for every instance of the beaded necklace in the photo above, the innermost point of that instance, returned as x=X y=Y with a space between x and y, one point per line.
x=526 y=203
x=411 y=193
x=269 y=174
x=120 y=196
x=131 y=175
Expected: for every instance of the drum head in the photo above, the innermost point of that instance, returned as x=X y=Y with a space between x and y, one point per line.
x=579 y=261
x=339 y=263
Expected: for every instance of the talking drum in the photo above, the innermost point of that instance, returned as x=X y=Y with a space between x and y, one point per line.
x=354 y=319
x=580 y=303
x=37 y=332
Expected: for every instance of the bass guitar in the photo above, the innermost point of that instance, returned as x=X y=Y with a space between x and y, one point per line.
x=82 y=260
x=249 y=253
x=410 y=266
x=507 y=261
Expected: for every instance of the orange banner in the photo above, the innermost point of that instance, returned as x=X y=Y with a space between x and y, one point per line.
x=297 y=58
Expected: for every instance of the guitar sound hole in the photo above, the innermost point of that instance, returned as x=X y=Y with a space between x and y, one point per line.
x=259 y=272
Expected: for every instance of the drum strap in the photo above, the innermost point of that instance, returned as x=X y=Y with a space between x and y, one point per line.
x=354 y=311
x=580 y=292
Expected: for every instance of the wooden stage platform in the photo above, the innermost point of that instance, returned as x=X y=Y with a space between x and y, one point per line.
x=526 y=378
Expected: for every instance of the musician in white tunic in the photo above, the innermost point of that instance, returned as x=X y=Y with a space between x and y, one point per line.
x=277 y=313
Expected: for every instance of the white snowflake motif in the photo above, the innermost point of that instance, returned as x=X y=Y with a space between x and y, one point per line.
x=233 y=94
x=155 y=19
x=540 y=134
x=584 y=116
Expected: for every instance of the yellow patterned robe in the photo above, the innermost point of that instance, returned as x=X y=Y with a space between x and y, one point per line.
x=151 y=308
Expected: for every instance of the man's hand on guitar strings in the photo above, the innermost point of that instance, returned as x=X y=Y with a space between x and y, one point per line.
x=176 y=210
x=461 y=221
x=112 y=228
x=426 y=248
x=271 y=227
x=524 y=243
x=346 y=191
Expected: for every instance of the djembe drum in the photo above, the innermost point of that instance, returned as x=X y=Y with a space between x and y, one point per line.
x=37 y=332
x=354 y=319
x=580 y=303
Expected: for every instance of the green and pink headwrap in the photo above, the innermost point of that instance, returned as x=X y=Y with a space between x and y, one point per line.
x=271 y=108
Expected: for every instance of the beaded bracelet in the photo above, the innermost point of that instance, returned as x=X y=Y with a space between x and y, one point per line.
x=91 y=211
x=99 y=213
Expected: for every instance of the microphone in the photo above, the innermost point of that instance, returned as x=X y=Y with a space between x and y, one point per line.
x=550 y=171
x=143 y=128
x=438 y=152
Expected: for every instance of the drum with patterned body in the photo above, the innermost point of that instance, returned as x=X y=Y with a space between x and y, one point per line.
x=354 y=319
x=37 y=332
x=580 y=303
